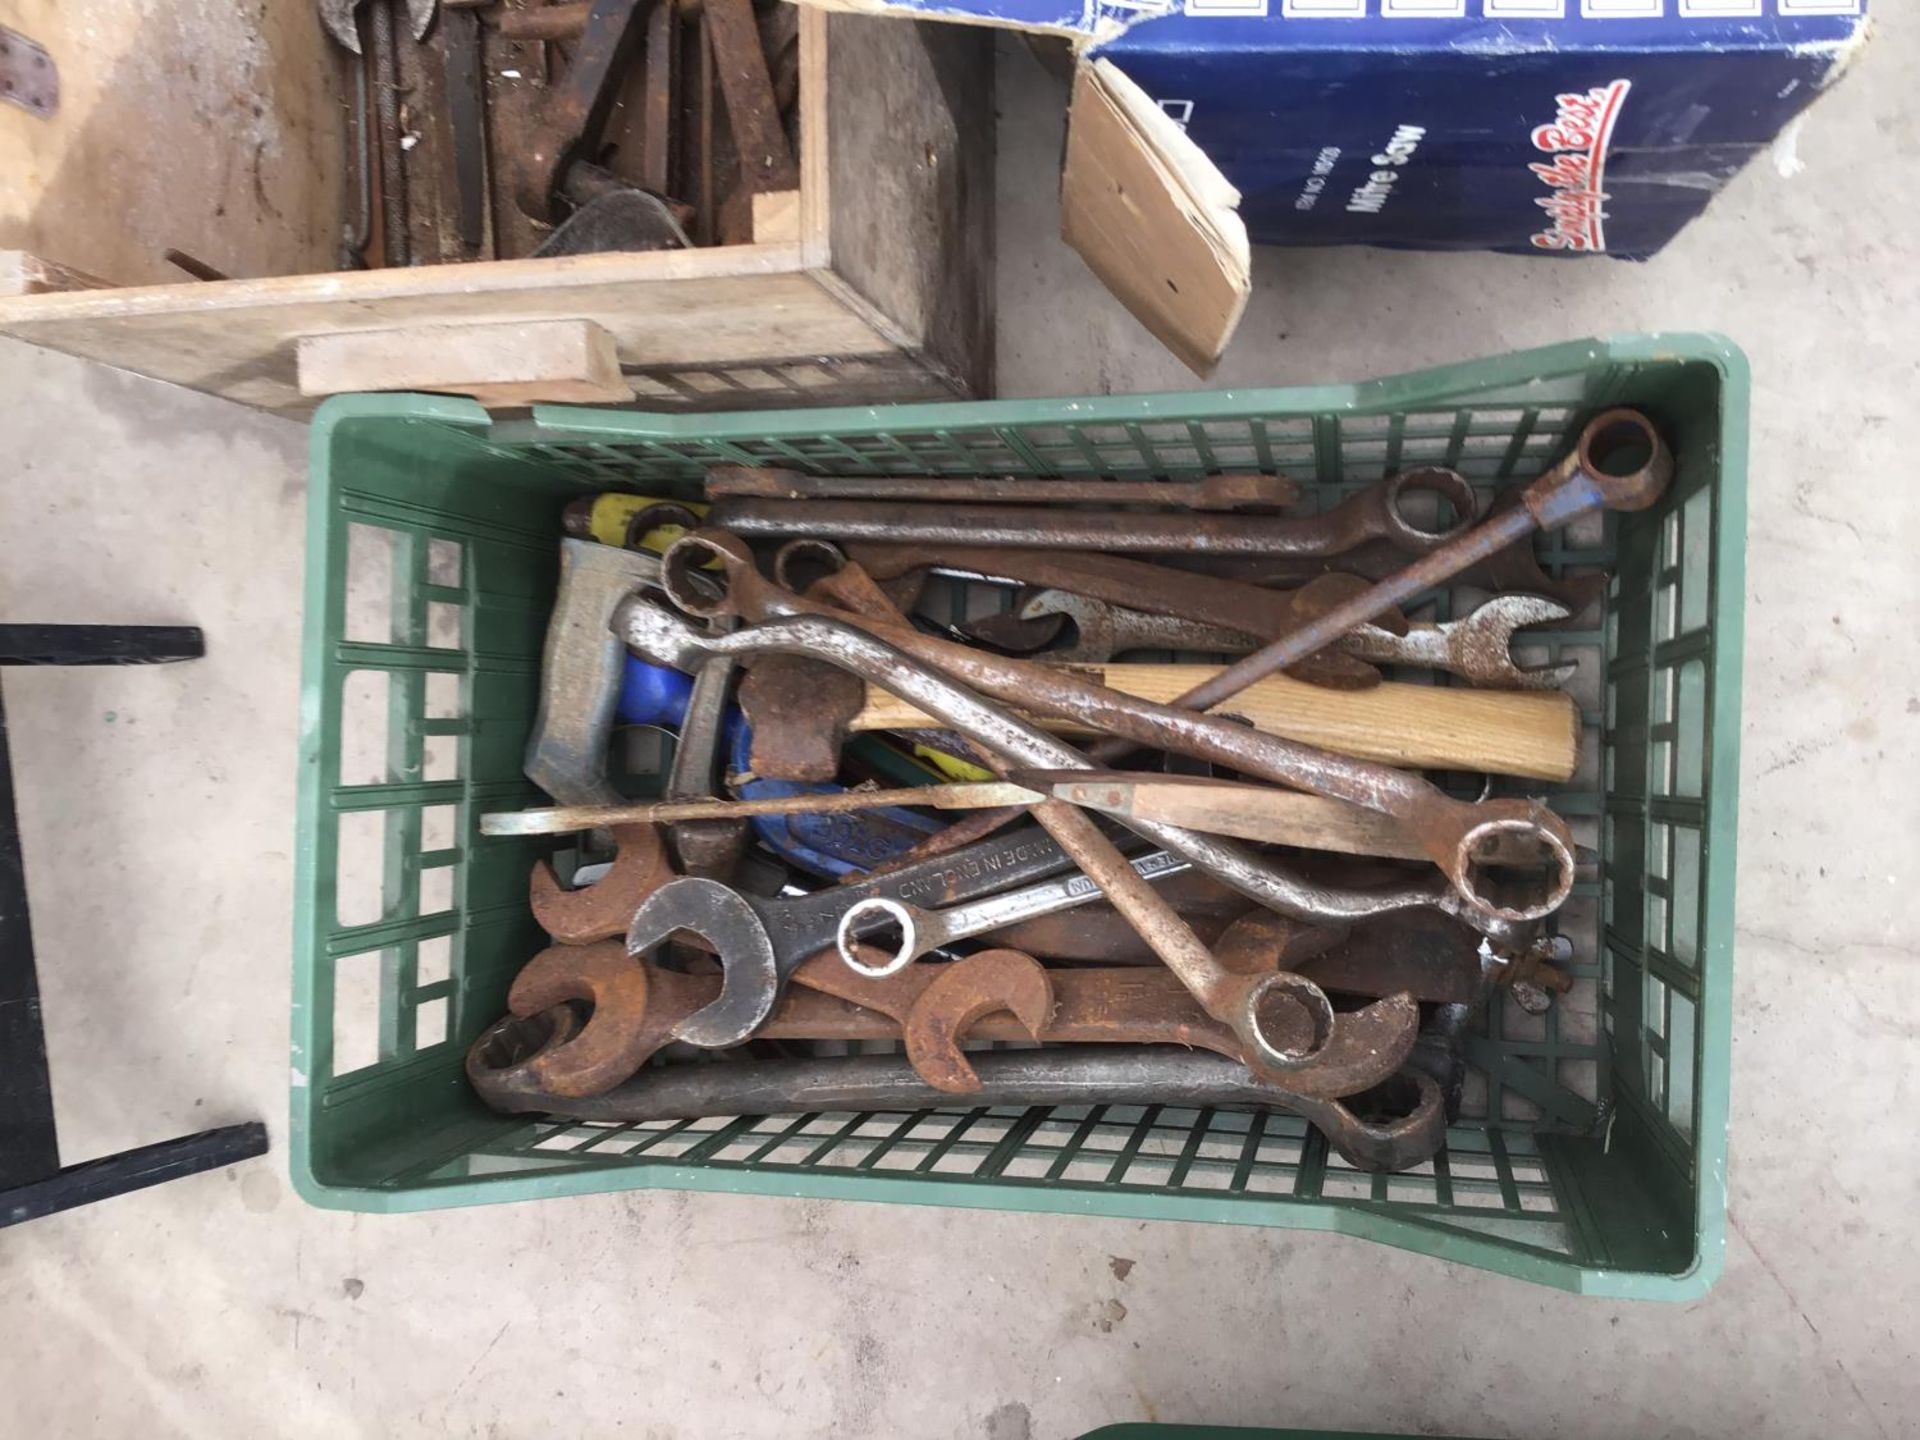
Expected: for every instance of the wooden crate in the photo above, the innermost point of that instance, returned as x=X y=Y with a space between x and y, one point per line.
x=879 y=288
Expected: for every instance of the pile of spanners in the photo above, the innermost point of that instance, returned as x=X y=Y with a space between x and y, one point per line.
x=1198 y=906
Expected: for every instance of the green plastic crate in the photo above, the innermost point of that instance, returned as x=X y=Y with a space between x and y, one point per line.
x=1594 y=1155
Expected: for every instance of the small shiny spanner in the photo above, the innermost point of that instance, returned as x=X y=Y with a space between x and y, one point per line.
x=923 y=931
x=1476 y=647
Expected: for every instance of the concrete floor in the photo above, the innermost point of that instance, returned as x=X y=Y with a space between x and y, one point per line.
x=223 y=1305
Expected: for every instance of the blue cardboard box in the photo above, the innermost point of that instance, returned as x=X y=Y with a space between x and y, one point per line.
x=1560 y=127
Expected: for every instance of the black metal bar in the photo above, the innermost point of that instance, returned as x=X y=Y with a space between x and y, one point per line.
x=99 y=644
x=32 y=1181
x=132 y=1170
x=29 y=1151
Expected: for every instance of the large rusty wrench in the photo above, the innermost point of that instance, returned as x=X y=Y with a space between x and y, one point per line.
x=1452 y=832
x=1619 y=463
x=580 y=672
x=1374 y=513
x=938 y=1005
x=605 y=908
x=1252 y=1006
x=1072 y=1075
x=637 y=1006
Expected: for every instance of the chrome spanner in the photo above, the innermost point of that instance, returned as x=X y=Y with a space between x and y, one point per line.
x=922 y=931
x=1476 y=647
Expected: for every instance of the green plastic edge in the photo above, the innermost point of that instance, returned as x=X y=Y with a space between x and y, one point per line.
x=1431 y=387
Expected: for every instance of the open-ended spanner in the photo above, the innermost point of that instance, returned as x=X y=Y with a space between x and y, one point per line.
x=1083 y=1075
x=762 y=942
x=637 y=1005
x=961 y=1000
x=1120 y=580
x=605 y=908
x=1452 y=832
x=1250 y=1005
x=1477 y=647
x=580 y=672
x=1374 y=513
x=1619 y=463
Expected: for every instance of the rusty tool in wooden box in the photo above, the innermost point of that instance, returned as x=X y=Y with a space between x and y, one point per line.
x=1375 y=513
x=1453 y=832
x=338 y=18
x=555 y=168
x=1399 y=1125
x=1477 y=647
x=1252 y=1006
x=1238 y=490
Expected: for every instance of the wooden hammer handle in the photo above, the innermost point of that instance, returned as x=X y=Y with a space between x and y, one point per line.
x=1532 y=734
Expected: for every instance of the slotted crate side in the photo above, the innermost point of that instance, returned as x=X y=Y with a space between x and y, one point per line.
x=1598 y=1197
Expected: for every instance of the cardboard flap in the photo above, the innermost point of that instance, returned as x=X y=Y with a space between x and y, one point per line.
x=1152 y=217
x=1091 y=21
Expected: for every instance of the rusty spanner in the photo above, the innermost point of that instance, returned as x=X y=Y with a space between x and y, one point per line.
x=1451 y=831
x=1250 y=1005
x=762 y=942
x=635 y=1006
x=605 y=908
x=1242 y=490
x=1374 y=513
x=1137 y=583
x=1477 y=647
x=1070 y=1076
x=1620 y=462
x=939 y=1006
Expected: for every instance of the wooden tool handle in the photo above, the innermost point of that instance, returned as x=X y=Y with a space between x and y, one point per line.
x=1533 y=734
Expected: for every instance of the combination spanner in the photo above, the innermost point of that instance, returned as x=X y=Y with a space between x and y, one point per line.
x=1121 y=580
x=1247 y=1004
x=637 y=1005
x=1374 y=513
x=1476 y=647
x=1103 y=1075
x=1495 y=900
x=762 y=942
x=924 y=931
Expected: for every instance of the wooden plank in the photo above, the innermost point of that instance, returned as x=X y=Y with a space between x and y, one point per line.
x=909 y=112
x=776 y=217
x=664 y=308
x=1152 y=217
x=216 y=129
x=561 y=362
x=24 y=274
